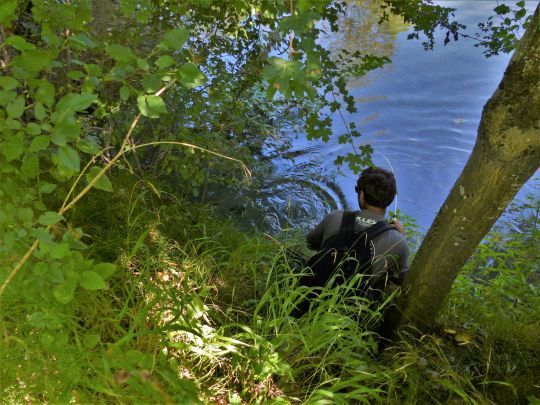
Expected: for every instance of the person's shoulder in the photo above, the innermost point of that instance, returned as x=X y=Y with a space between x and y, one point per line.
x=336 y=214
x=331 y=219
x=394 y=237
x=398 y=239
x=395 y=233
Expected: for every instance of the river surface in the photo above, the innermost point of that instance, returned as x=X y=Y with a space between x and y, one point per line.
x=421 y=112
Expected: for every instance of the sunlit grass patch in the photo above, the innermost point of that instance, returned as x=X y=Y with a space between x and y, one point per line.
x=199 y=311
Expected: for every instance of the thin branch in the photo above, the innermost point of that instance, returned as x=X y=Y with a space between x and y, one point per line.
x=6 y=61
x=123 y=149
x=81 y=194
x=245 y=169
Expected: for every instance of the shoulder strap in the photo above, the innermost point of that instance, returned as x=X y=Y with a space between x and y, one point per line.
x=375 y=230
x=370 y=233
x=347 y=226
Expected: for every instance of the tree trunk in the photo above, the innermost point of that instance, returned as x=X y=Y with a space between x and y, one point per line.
x=505 y=156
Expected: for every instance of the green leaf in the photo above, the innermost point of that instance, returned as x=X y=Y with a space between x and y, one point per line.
x=124 y=93
x=92 y=69
x=19 y=43
x=45 y=93
x=120 y=53
x=35 y=60
x=288 y=77
x=82 y=101
x=30 y=167
x=69 y=158
x=13 y=124
x=8 y=11
x=128 y=7
x=13 y=148
x=59 y=250
x=65 y=131
x=16 y=108
x=190 y=76
x=33 y=129
x=39 y=111
x=151 y=106
x=90 y=280
x=64 y=293
x=38 y=143
x=7 y=96
x=520 y=14
x=50 y=218
x=88 y=145
x=105 y=270
x=502 y=9
x=164 y=61
x=174 y=39
x=143 y=64
x=151 y=83
x=83 y=40
x=59 y=138
x=8 y=82
x=38 y=320
x=75 y=74
x=72 y=102
x=300 y=23
x=25 y=215
x=46 y=188
x=103 y=183
x=50 y=37
x=46 y=340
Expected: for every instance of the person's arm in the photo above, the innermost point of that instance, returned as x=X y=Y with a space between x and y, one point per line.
x=315 y=236
x=398 y=226
x=403 y=265
x=328 y=226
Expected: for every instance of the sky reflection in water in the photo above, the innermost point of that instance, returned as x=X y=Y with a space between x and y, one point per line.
x=422 y=112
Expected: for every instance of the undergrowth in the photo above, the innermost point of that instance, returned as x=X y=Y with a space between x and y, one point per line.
x=198 y=311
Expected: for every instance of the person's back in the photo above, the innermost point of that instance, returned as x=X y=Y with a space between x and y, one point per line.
x=389 y=250
x=376 y=189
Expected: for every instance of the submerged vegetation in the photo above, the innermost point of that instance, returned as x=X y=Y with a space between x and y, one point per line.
x=120 y=124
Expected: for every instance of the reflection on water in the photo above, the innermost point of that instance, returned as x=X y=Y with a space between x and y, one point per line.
x=421 y=112
x=289 y=192
x=361 y=29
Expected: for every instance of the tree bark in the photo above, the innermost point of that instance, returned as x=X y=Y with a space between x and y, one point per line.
x=505 y=156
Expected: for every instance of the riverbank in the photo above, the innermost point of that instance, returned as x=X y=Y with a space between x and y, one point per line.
x=197 y=310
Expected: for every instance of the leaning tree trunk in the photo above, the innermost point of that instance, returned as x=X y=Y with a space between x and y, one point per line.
x=506 y=154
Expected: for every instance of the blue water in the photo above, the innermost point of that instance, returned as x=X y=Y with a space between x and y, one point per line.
x=422 y=113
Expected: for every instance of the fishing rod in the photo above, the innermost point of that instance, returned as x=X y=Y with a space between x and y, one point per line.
x=356 y=153
x=394 y=173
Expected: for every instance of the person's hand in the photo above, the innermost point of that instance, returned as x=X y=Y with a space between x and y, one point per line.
x=398 y=226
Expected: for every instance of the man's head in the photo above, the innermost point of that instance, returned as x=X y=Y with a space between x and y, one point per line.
x=376 y=187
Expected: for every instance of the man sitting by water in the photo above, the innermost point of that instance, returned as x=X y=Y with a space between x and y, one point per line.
x=387 y=248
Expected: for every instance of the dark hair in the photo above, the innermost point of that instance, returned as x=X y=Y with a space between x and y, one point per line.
x=378 y=185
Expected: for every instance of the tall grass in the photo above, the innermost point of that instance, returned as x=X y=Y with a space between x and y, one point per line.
x=201 y=312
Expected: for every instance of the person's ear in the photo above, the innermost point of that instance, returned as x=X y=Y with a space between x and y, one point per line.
x=361 y=197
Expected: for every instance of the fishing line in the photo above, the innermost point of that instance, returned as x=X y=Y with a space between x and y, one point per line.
x=394 y=173
x=356 y=152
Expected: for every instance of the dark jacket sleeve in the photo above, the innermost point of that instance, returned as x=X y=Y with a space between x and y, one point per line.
x=403 y=260
x=316 y=236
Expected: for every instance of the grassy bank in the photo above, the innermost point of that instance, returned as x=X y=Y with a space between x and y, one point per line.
x=197 y=311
